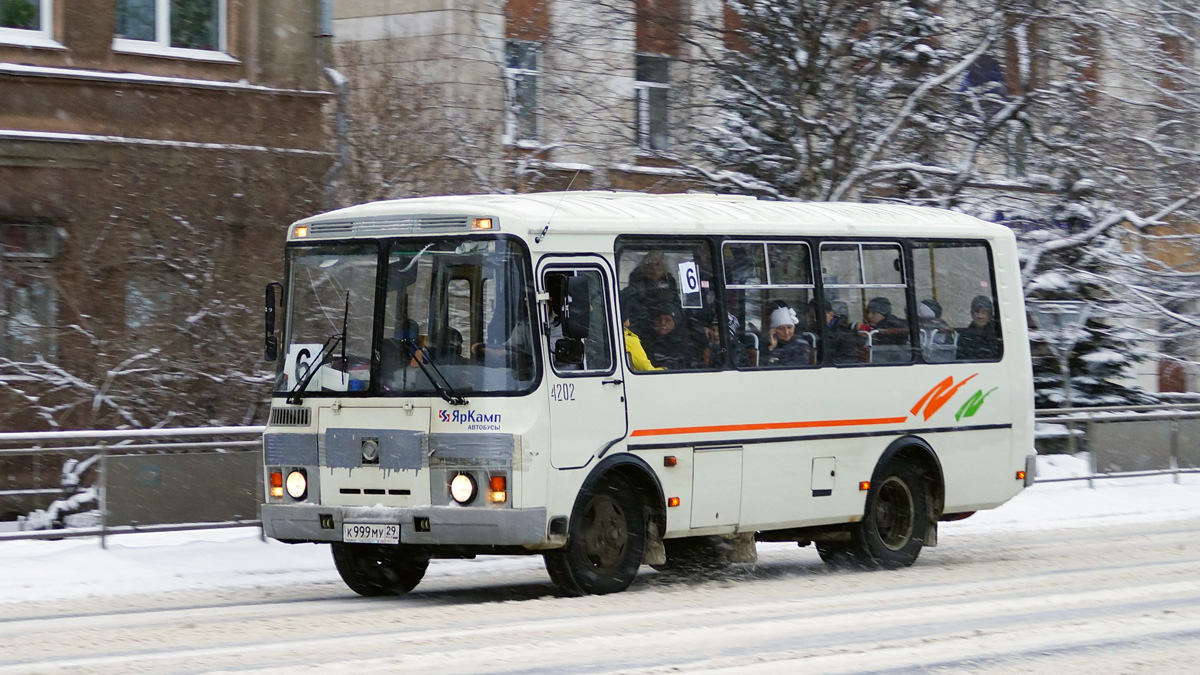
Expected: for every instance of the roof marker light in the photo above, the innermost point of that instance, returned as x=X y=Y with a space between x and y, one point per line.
x=300 y=232
x=482 y=224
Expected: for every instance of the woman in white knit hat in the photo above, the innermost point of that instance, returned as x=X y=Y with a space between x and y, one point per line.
x=784 y=348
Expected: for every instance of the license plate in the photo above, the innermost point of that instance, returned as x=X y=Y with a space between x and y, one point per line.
x=370 y=533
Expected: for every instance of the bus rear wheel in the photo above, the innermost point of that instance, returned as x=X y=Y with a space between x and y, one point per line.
x=605 y=541
x=380 y=569
x=893 y=528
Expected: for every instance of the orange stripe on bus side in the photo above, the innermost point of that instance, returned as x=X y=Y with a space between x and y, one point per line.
x=768 y=426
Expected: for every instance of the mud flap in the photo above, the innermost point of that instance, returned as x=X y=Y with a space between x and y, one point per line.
x=654 y=553
x=742 y=547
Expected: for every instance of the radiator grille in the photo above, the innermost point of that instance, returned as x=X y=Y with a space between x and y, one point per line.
x=291 y=417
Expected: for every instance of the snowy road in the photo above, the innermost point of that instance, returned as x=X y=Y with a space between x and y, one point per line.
x=1063 y=579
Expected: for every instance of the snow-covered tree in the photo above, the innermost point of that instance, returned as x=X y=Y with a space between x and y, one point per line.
x=1074 y=122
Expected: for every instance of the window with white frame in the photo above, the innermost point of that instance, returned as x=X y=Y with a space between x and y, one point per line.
x=522 y=61
x=26 y=21
x=171 y=26
x=651 y=90
x=28 y=294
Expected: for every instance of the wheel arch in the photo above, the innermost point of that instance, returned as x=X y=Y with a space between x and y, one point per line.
x=921 y=455
x=638 y=474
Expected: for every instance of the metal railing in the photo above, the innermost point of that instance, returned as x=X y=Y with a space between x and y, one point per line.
x=1124 y=441
x=132 y=480
x=205 y=478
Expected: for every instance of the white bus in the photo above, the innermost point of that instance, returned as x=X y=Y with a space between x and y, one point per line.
x=610 y=380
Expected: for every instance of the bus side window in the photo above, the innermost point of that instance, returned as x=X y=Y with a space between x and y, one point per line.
x=866 y=293
x=957 y=310
x=668 y=299
x=770 y=291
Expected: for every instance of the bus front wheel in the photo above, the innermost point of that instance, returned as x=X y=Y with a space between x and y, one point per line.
x=605 y=541
x=380 y=569
x=893 y=528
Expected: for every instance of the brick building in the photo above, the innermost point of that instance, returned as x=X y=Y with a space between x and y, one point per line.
x=151 y=153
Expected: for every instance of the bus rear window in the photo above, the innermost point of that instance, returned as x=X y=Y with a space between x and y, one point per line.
x=956 y=302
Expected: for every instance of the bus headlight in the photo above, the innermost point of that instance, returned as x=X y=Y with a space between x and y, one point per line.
x=462 y=488
x=297 y=484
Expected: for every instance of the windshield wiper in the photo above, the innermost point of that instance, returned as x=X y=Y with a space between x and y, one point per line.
x=323 y=357
x=447 y=391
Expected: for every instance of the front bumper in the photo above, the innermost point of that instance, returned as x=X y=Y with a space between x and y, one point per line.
x=448 y=525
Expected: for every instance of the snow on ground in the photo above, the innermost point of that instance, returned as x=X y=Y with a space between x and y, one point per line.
x=239 y=558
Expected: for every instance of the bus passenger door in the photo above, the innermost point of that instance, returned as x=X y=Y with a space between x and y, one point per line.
x=580 y=336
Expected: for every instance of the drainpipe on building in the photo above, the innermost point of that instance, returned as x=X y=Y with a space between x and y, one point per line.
x=342 y=86
x=342 y=158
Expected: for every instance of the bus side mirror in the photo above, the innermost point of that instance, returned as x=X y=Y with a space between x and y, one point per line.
x=577 y=308
x=272 y=340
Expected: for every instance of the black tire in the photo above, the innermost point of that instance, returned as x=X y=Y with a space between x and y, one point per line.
x=605 y=541
x=893 y=528
x=696 y=556
x=380 y=569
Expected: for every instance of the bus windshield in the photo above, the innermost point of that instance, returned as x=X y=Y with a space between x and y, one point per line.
x=454 y=319
x=465 y=305
x=329 y=324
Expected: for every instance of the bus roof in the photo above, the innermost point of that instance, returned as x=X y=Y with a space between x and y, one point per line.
x=596 y=212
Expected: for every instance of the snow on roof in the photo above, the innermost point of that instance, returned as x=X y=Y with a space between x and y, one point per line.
x=143 y=78
x=635 y=211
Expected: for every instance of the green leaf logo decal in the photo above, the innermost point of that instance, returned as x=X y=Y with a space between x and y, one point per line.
x=973 y=404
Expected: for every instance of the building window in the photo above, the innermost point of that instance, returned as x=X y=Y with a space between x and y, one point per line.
x=174 y=26
x=28 y=296
x=26 y=21
x=651 y=91
x=522 y=61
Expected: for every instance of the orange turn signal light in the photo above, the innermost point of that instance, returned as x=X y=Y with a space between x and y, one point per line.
x=673 y=501
x=497 y=483
x=670 y=460
x=276 y=479
x=1020 y=475
x=864 y=485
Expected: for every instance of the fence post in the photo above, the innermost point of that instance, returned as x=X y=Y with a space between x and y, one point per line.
x=1091 y=434
x=1175 y=447
x=103 y=494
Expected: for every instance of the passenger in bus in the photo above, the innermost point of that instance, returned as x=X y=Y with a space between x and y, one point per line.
x=784 y=347
x=669 y=345
x=981 y=339
x=929 y=314
x=843 y=341
x=449 y=349
x=889 y=329
x=638 y=361
x=650 y=286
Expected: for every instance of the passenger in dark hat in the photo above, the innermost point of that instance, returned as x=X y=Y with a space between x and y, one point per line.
x=890 y=329
x=981 y=340
x=845 y=343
